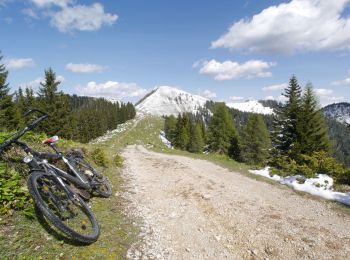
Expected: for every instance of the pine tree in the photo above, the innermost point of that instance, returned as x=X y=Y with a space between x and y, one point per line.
x=196 y=143
x=285 y=132
x=182 y=136
x=255 y=141
x=311 y=127
x=222 y=134
x=57 y=105
x=7 y=119
x=30 y=101
x=170 y=128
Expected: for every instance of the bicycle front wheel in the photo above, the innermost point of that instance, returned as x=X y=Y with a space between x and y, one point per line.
x=64 y=209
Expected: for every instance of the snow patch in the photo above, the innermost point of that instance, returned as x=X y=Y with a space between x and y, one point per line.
x=251 y=106
x=338 y=111
x=321 y=186
x=120 y=128
x=165 y=140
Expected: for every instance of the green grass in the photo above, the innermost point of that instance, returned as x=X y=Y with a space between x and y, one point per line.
x=23 y=238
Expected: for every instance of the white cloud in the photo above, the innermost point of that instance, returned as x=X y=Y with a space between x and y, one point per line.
x=49 y=3
x=20 y=63
x=234 y=98
x=35 y=84
x=67 y=16
x=299 y=25
x=335 y=99
x=322 y=92
x=231 y=70
x=345 y=81
x=111 y=89
x=30 y=13
x=326 y=100
x=282 y=98
x=82 y=18
x=208 y=94
x=85 y=67
x=275 y=87
x=269 y=98
x=60 y=78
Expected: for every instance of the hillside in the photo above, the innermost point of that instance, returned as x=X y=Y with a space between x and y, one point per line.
x=251 y=106
x=338 y=111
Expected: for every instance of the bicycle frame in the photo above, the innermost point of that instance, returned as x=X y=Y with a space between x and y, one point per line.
x=79 y=182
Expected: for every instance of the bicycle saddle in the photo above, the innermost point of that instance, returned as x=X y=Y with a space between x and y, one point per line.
x=51 y=140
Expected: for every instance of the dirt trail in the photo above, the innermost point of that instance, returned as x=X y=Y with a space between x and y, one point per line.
x=194 y=209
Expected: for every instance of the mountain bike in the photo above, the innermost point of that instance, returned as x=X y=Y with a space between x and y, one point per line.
x=50 y=190
x=83 y=175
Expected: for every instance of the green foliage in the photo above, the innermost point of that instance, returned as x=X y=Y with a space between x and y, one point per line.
x=170 y=128
x=310 y=165
x=222 y=134
x=286 y=121
x=340 y=136
x=255 y=141
x=182 y=137
x=99 y=157
x=118 y=160
x=93 y=117
x=8 y=113
x=13 y=192
x=196 y=143
x=312 y=133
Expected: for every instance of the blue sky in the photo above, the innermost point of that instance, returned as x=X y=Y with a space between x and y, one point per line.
x=226 y=50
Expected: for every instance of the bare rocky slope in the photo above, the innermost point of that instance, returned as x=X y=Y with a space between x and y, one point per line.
x=193 y=209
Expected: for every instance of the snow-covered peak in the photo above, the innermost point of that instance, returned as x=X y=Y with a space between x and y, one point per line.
x=338 y=111
x=167 y=100
x=113 y=100
x=251 y=106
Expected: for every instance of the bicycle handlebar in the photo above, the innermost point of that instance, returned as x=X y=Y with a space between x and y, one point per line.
x=29 y=127
x=32 y=110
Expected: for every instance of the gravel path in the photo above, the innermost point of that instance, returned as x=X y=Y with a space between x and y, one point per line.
x=194 y=209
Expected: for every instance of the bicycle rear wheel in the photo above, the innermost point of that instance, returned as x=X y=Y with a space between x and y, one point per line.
x=64 y=209
x=100 y=184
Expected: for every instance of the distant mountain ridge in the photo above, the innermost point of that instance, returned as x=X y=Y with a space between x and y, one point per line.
x=338 y=111
x=167 y=101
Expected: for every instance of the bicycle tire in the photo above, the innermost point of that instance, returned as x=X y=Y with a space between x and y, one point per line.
x=34 y=181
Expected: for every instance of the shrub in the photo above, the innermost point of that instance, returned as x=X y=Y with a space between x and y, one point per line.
x=99 y=157
x=14 y=194
x=310 y=165
x=118 y=160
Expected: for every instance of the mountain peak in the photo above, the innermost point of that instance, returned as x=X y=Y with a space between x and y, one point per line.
x=166 y=100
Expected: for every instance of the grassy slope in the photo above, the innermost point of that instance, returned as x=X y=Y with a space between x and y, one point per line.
x=20 y=237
